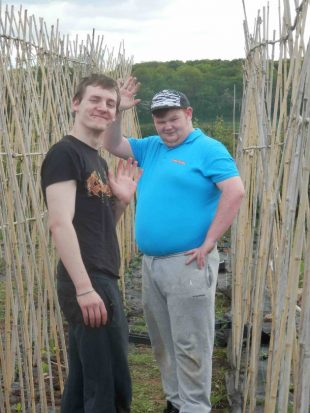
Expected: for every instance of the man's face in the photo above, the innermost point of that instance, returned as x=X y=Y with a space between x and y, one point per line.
x=96 y=110
x=174 y=126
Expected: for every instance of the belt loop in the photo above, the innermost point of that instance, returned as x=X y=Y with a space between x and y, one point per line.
x=148 y=259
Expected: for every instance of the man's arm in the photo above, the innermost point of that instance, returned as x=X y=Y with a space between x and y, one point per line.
x=232 y=194
x=113 y=139
x=114 y=142
x=61 y=207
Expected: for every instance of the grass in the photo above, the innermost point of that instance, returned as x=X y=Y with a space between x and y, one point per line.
x=147 y=392
x=222 y=305
x=137 y=325
x=220 y=367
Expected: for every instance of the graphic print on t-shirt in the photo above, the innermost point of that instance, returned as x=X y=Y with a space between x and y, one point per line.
x=96 y=186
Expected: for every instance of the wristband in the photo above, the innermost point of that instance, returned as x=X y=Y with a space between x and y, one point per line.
x=86 y=292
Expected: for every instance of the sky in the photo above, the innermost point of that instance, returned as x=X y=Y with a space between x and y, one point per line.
x=160 y=30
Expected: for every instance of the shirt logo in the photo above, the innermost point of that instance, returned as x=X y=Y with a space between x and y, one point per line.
x=178 y=161
x=96 y=186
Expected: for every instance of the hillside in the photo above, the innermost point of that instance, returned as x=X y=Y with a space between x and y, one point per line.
x=209 y=85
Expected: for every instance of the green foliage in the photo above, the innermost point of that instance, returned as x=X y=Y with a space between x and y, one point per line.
x=44 y=367
x=148 y=129
x=222 y=131
x=134 y=264
x=209 y=85
x=17 y=407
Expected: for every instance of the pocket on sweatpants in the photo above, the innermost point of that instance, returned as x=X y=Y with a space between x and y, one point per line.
x=209 y=275
x=191 y=279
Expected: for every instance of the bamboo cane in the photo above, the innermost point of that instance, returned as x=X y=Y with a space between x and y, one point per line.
x=39 y=71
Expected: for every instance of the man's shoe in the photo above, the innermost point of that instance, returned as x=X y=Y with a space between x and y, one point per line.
x=170 y=408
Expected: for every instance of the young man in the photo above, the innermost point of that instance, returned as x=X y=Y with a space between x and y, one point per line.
x=188 y=196
x=84 y=202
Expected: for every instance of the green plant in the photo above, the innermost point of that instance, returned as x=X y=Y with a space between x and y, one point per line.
x=134 y=264
x=18 y=407
x=44 y=367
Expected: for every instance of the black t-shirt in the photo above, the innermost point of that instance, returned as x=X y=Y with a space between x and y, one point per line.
x=94 y=220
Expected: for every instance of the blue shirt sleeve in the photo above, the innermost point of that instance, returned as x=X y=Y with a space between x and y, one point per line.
x=219 y=164
x=139 y=148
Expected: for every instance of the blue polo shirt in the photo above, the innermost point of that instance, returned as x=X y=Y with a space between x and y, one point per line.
x=177 y=193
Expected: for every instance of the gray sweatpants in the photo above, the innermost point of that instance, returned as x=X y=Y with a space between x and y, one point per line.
x=178 y=301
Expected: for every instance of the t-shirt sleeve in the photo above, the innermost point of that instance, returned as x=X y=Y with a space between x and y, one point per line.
x=139 y=148
x=61 y=164
x=219 y=164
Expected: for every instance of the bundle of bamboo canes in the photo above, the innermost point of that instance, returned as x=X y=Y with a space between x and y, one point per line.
x=271 y=235
x=39 y=70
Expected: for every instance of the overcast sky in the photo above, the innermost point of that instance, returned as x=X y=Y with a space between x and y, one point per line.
x=158 y=29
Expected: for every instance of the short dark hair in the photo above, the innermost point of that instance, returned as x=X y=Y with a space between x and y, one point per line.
x=161 y=113
x=97 y=79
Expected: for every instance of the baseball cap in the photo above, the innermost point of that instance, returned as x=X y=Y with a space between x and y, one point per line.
x=169 y=99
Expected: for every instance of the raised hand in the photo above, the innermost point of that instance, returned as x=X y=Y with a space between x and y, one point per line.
x=124 y=183
x=128 y=90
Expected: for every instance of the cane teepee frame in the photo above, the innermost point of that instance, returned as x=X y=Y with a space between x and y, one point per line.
x=271 y=237
x=39 y=70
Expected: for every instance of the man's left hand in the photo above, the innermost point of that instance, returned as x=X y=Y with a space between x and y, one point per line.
x=124 y=183
x=199 y=254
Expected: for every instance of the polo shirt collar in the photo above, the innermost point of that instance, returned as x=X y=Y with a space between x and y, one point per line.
x=190 y=138
x=193 y=135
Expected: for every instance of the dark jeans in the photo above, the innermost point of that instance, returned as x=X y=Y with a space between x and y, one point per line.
x=99 y=379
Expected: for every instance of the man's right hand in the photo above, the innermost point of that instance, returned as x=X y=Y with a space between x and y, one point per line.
x=93 y=309
x=128 y=90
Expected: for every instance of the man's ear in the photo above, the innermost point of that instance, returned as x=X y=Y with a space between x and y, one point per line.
x=75 y=104
x=189 y=112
